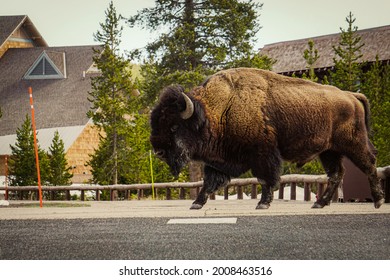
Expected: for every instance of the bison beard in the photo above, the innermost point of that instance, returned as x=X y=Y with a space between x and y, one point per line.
x=249 y=119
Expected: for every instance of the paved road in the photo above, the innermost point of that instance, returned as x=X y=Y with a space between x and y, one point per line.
x=179 y=208
x=302 y=233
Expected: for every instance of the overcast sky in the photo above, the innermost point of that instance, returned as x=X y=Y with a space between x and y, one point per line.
x=73 y=22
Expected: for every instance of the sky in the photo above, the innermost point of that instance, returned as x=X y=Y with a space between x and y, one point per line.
x=73 y=22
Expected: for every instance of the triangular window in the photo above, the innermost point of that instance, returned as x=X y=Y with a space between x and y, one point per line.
x=43 y=68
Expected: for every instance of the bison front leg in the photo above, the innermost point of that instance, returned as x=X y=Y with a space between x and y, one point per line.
x=267 y=173
x=213 y=179
x=267 y=195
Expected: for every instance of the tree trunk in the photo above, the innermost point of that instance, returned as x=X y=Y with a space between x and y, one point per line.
x=189 y=23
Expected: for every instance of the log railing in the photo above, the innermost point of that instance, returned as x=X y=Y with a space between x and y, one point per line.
x=309 y=182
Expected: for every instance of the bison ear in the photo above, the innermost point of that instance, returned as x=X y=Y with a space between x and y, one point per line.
x=189 y=110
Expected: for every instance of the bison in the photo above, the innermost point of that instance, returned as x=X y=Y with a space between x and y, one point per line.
x=250 y=119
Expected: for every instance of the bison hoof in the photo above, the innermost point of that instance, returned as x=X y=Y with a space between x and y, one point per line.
x=196 y=206
x=379 y=203
x=263 y=206
x=317 y=205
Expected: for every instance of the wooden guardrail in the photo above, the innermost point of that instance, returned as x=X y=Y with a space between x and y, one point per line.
x=309 y=182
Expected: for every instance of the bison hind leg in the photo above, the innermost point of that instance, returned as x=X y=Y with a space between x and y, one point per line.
x=332 y=163
x=365 y=160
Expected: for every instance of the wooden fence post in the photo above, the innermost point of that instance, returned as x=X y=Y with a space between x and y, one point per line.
x=281 y=191
x=67 y=195
x=168 y=194
x=240 y=193
x=182 y=193
x=226 y=193
x=254 y=191
x=97 y=195
x=293 y=191
x=307 y=192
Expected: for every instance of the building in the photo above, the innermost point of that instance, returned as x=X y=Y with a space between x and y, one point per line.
x=60 y=80
x=289 y=55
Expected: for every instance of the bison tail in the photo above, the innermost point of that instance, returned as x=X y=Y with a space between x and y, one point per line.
x=367 y=117
x=367 y=112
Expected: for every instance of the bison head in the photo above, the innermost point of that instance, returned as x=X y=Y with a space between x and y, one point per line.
x=175 y=121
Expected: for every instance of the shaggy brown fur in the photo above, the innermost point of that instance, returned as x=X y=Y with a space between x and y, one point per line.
x=249 y=105
x=252 y=119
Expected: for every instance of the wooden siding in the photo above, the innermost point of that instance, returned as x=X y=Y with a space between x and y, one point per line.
x=78 y=153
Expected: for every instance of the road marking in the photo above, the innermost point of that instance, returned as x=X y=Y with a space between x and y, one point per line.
x=203 y=221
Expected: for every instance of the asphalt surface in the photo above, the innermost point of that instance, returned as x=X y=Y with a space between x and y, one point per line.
x=140 y=230
x=268 y=237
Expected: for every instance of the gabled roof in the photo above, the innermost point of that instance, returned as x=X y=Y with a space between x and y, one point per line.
x=57 y=102
x=289 y=55
x=10 y=24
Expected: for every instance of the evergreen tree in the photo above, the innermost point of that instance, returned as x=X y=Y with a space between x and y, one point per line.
x=376 y=86
x=22 y=164
x=101 y=164
x=200 y=37
x=59 y=170
x=139 y=166
x=347 y=68
x=112 y=98
x=311 y=56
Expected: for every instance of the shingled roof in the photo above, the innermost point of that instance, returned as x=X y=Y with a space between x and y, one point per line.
x=10 y=24
x=57 y=102
x=289 y=55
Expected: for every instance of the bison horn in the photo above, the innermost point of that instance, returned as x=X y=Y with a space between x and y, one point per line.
x=189 y=111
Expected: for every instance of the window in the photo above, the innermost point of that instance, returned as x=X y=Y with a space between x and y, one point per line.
x=44 y=68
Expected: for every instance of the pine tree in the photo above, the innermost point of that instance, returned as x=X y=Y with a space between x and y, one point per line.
x=201 y=37
x=102 y=173
x=22 y=165
x=347 y=72
x=311 y=56
x=376 y=86
x=59 y=170
x=112 y=97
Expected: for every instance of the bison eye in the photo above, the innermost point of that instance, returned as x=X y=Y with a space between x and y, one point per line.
x=174 y=128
